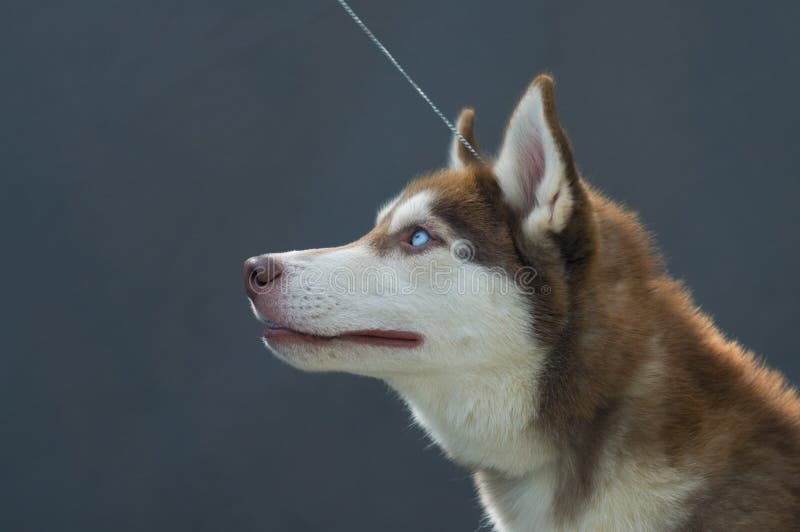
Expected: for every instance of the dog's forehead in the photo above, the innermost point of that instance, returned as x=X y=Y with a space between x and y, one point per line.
x=426 y=196
x=468 y=201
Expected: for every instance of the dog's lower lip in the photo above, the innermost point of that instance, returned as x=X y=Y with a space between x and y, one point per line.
x=276 y=333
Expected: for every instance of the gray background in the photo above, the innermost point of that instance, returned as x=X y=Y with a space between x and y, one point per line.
x=148 y=147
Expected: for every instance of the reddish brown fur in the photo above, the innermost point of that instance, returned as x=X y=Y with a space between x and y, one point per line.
x=631 y=354
x=466 y=127
x=713 y=411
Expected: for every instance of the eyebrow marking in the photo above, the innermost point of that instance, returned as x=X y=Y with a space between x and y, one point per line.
x=388 y=206
x=414 y=209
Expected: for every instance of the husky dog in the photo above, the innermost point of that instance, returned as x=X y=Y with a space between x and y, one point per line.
x=528 y=322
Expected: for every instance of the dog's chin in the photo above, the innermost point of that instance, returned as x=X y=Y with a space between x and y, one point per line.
x=336 y=355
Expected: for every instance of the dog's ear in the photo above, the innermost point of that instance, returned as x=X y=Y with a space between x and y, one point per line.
x=460 y=156
x=535 y=167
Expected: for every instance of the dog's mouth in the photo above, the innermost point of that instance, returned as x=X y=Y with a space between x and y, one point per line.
x=275 y=333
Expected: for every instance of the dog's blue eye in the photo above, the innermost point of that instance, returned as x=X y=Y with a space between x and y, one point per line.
x=420 y=238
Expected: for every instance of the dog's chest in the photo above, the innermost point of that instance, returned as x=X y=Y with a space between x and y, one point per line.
x=631 y=498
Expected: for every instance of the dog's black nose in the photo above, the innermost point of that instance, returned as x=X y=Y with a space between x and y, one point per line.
x=259 y=273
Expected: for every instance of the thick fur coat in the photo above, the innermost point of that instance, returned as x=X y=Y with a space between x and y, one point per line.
x=538 y=339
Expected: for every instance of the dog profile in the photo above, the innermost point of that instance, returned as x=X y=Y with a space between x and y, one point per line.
x=528 y=322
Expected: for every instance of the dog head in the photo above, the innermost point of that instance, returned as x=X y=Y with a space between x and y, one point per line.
x=466 y=268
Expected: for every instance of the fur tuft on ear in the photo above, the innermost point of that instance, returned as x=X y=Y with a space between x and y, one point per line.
x=460 y=156
x=535 y=168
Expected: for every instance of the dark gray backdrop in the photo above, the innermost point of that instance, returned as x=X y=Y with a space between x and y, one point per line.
x=148 y=147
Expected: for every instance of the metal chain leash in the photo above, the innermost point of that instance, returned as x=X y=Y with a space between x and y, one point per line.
x=378 y=44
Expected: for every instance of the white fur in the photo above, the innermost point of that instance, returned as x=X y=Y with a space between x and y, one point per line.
x=518 y=504
x=628 y=496
x=453 y=304
x=530 y=168
x=412 y=210
x=386 y=208
x=472 y=384
x=454 y=160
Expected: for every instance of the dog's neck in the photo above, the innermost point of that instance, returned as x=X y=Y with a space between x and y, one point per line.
x=482 y=419
x=527 y=433
x=509 y=417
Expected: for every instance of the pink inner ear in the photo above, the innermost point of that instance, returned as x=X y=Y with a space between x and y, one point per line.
x=533 y=172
